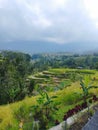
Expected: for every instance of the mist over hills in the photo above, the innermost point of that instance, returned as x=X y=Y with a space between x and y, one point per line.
x=49 y=47
x=39 y=27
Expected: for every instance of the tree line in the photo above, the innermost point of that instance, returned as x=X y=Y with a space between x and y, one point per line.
x=15 y=67
x=63 y=60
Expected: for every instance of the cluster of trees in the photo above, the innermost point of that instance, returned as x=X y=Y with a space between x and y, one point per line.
x=14 y=69
x=44 y=61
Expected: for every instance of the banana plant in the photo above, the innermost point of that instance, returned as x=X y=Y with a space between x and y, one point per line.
x=44 y=108
x=86 y=85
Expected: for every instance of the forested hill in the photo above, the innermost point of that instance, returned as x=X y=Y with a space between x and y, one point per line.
x=15 y=67
x=65 y=60
x=43 y=47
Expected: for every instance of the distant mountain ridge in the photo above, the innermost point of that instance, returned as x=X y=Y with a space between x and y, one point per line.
x=43 y=47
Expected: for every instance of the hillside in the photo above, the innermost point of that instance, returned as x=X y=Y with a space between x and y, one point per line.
x=48 y=88
x=32 y=47
x=11 y=114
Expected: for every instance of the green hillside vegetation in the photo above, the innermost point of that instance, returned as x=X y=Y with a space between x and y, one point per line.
x=43 y=87
x=11 y=114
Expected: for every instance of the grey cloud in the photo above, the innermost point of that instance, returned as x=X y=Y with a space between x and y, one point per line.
x=44 y=21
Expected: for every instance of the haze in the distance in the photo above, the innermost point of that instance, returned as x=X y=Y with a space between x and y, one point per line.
x=49 y=25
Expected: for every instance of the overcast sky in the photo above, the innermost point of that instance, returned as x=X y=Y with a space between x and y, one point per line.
x=60 y=21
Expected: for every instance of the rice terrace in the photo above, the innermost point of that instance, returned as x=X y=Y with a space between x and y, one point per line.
x=48 y=64
x=45 y=96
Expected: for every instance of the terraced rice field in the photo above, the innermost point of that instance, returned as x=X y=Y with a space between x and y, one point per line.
x=64 y=83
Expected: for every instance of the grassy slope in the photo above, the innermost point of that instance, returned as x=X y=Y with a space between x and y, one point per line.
x=66 y=97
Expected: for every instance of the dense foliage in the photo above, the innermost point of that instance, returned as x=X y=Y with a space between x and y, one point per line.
x=63 y=60
x=61 y=96
x=14 y=68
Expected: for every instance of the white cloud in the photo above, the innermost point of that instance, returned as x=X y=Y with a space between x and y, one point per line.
x=59 y=21
x=92 y=9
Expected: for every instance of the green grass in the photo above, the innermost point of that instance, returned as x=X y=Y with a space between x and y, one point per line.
x=11 y=114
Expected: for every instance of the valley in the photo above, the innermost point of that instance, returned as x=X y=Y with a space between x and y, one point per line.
x=48 y=94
